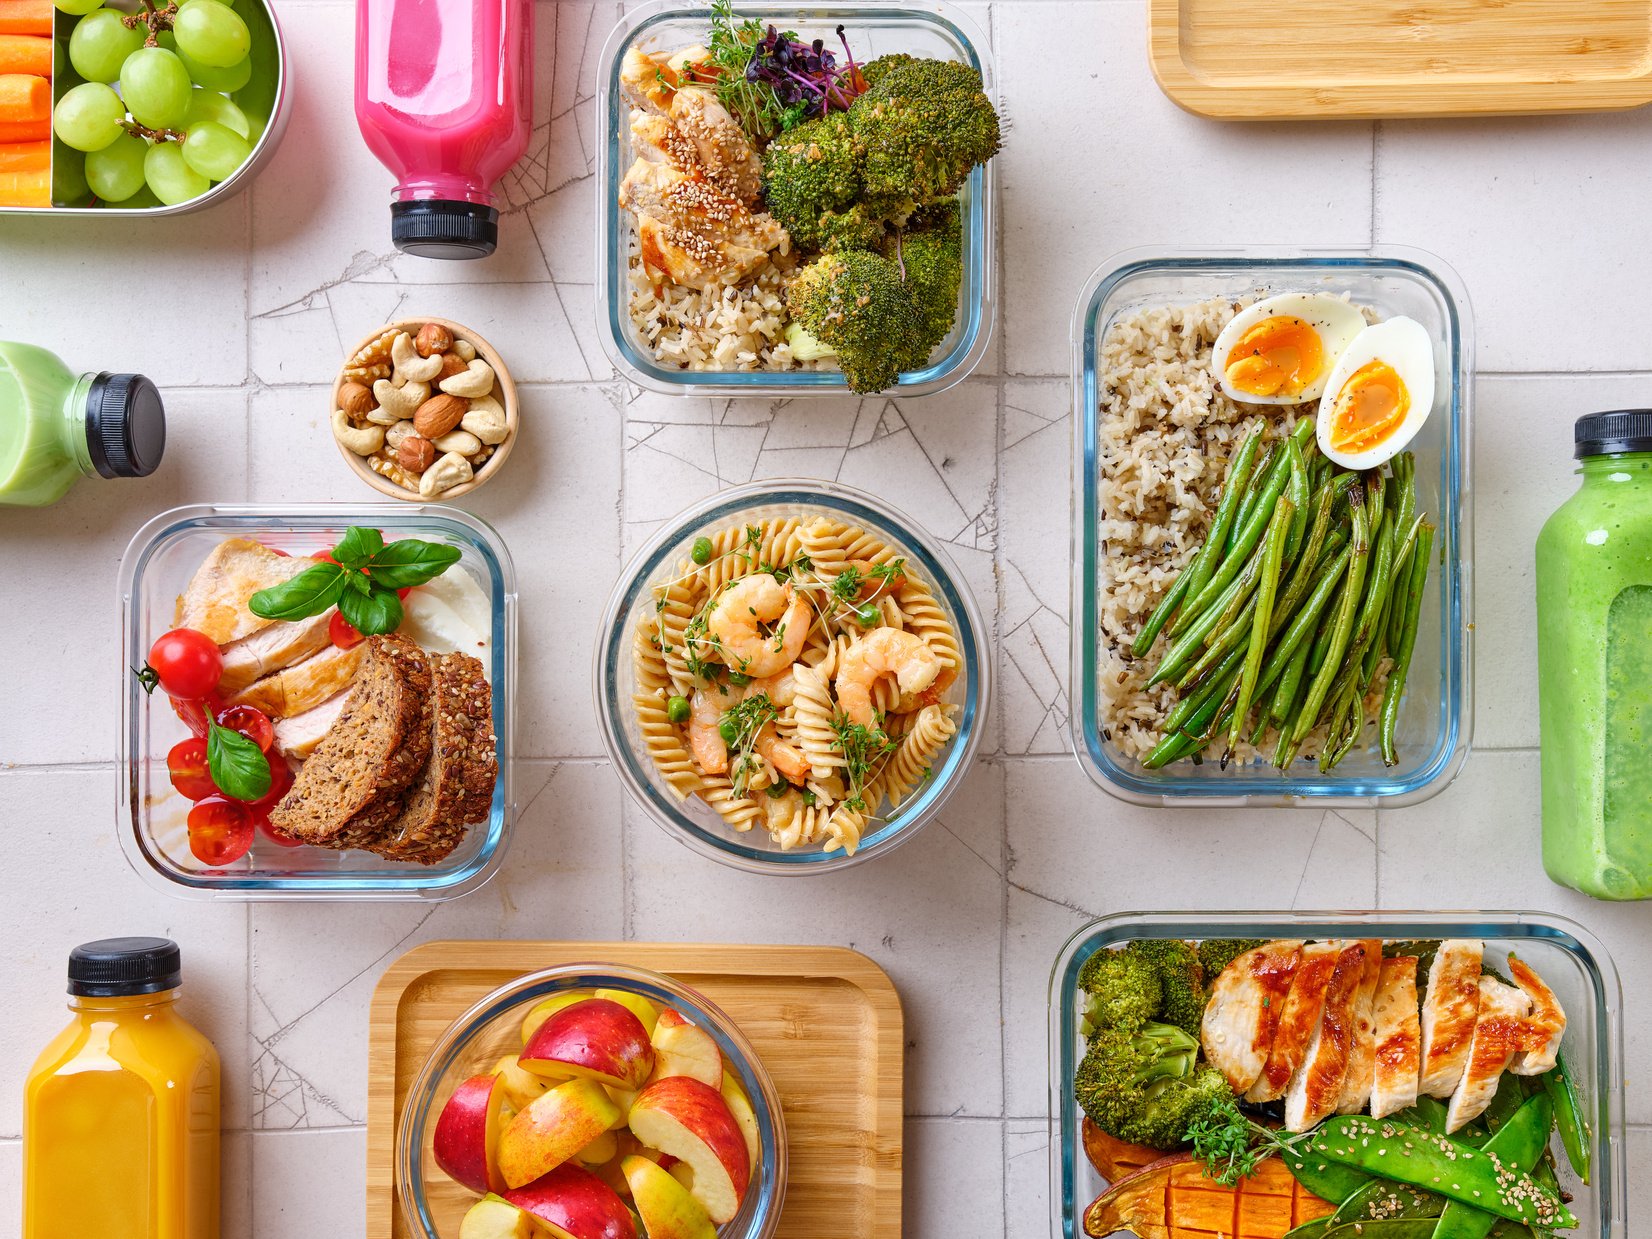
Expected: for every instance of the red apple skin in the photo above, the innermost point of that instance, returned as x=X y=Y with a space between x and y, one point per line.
x=552 y=1130
x=597 y=1039
x=571 y=1203
x=467 y=1134
x=705 y=1120
x=667 y=1208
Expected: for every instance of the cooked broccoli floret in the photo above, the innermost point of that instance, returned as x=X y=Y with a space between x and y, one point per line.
x=1177 y=964
x=811 y=180
x=1147 y=1087
x=875 y=72
x=924 y=125
x=1216 y=954
x=804 y=346
x=1123 y=990
x=931 y=262
x=855 y=303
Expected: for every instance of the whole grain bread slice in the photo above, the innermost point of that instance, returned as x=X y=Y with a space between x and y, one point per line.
x=351 y=787
x=456 y=788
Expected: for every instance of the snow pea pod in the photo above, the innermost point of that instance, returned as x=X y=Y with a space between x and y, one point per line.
x=1574 y=1136
x=1382 y=1200
x=1517 y=1145
x=1310 y=1230
x=1323 y=1178
x=1397 y=1228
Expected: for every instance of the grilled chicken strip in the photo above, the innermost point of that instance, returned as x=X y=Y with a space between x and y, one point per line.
x=1246 y=1001
x=1500 y=1032
x=1316 y=1086
x=1398 y=1038
x=1297 y=1021
x=270 y=649
x=690 y=231
x=1449 y=1008
x=1356 y=1085
x=297 y=736
x=215 y=600
x=1546 y=1018
x=305 y=685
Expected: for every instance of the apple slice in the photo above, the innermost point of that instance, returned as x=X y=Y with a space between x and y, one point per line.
x=468 y=1133
x=684 y=1049
x=547 y=1007
x=691 y=1121
x=595 y=1040
x=552 y=1130
x=636 y=1004
x=603 y=1149
x=522 y=1086
x=667 y=1209
x=739 y=1105
x=623 y=1098
x=570 y=1203
x=495 y=1218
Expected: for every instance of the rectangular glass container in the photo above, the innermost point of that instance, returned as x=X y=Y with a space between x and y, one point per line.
x=1568 y=957
x=1437 y=717
x=157 y=566
x=935 y=29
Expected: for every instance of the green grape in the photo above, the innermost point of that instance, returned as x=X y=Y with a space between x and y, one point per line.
x=215 y=151
x=78 y=7
x=88 y=116
x=170 y=177
x=211 y=77
x=116 y=172
x=206 y=105
x=68 y=176
x=212 y=34
x=155 y=85
x=167 y=40
x=100 y=45
x=145 y=197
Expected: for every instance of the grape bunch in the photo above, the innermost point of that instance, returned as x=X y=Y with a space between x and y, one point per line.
x=153 y=113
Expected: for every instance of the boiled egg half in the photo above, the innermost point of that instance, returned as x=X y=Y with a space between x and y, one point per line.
x=1378 y=395
x=1281 y=350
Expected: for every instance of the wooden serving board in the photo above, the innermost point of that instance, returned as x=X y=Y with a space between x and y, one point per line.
x=1380 y=58
x=826 y=1023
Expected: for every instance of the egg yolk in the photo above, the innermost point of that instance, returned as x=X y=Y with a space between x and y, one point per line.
x=1279 y=356
x=1371 y=406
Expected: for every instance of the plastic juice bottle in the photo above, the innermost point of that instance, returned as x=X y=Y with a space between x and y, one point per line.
x=120 y=1114
x=444 y=97
x=56 y=429
x=1594 y=652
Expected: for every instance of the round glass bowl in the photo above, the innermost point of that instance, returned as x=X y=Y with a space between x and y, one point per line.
x=432 y=1204
x=693 y=821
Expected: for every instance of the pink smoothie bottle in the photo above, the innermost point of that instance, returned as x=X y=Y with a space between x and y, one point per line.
x=444 y=97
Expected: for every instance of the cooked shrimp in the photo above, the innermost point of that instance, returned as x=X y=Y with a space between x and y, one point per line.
x=873 y=584
x=735 y=623
x=782 y=756
x=883 y=652
x=705 y=736
x=780 y=688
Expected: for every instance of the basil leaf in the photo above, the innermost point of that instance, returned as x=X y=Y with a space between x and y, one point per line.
x=358 y=546
x=369 y=614
x=358 y=581
x=411 y=562
x=309 y=593
x=238 y=766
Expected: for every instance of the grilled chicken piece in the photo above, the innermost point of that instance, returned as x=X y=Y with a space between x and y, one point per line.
x=1297 y=1020
x=215 y=600
x=1244 y=1008
x=297 y=736
x=270 y=649
x=1356 y=1085
x=1316 y=1086
x=303 y=686
x=691 y=232
x=647 y=82
x=1449 y=1008
x=1398 y=1038
x=1547 y=1018
x=1500 y=1032
x=730 y=162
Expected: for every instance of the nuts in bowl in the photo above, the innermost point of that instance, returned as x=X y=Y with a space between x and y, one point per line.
x=424 y=409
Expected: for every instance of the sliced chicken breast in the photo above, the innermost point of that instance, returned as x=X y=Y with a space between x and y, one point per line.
x=1356 y=1085
x=1547 y=1019
x=1448 y=1011
x=215 y=600
x=1500 y=1032
x=1316 y=1085
x=270 y=649
x=1297 y=1021
x=1398 y=1038
x=304 y=685
x=297 y=736
x=1246 y=1000
x=729 y=162
x=647 y=83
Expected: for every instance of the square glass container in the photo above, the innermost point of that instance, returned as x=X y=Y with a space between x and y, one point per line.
x=1568 y=957
x=1437 y=716
x=934 y=29
x=157 y=566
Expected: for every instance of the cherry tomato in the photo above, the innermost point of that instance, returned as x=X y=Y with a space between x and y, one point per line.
x=186 y=765
x=187 y=663
x=277 y=836
x=220 y=831
x=251 y=722
x=403 y=592
x=324 y=556
x=343 y=632
x=276 y=550
x=195 y=713
x=281 y=779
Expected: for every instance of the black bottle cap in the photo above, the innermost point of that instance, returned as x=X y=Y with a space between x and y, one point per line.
x=125 y=426
x=443 y=228
x=122 y=967
x=1617 y=430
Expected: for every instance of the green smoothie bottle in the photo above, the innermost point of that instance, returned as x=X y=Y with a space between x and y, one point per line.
x=1594 y=659
x=56 y=428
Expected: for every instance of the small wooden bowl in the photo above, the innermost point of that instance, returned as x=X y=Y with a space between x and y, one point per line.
x=504 y=389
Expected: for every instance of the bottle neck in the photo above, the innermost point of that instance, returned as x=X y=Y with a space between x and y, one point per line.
x=1616 y=469
x=124 y=1005
x=72 y=426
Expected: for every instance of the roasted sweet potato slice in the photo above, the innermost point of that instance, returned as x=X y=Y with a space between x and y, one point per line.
x=1173 y=1199
x=1114 y=1158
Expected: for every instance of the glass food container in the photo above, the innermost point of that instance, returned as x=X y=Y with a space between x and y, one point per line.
x=936 y=29
x=693 y=821
x=1568 y=957
x=432 y=1204
x=1436 y=718
x=157 y=565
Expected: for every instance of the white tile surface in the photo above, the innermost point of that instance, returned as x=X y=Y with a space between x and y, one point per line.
x=1545 y=220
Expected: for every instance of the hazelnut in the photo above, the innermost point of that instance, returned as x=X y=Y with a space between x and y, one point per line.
x=415 y=454
x=452 y=364
x=438 y=415
x=356 y=399
x=432 y=338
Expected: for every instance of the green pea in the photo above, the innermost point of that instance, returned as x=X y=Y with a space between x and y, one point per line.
x=809 y=798
x=867 y=614
x=701 y=554
x=677 y=709
x=728 y=731
x=738 y=680
x=777 y=790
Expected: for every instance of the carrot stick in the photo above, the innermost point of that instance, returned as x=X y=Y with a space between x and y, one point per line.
x=25 y=131
x=25 y=156
x=26 y=188
x=24 y=98
x=26 y=17
x=25 y=53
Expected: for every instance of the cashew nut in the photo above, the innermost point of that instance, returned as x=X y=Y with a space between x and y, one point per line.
x=449 y=471
x=477 y=380
x=465 y=349
x=486 y=420
x=362 y=440
x=410 y=367
x=461 y=441
x=394 y=436
x=397 y=402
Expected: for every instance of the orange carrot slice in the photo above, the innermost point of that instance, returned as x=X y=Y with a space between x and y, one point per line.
x=25 y=53
x=24 y=98
x=25 y=156
x=26 y=188
x=26 y=17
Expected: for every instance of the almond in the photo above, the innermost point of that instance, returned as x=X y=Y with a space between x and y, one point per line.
x=438 y=415
x=356 y=399
x=452 y=364
x=432 y=338
x=415 y=454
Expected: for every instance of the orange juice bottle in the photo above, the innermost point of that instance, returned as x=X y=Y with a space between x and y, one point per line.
x=120 y=1114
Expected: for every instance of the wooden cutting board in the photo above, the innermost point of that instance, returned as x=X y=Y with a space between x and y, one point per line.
x=826 y=1023
x=1380 y=58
